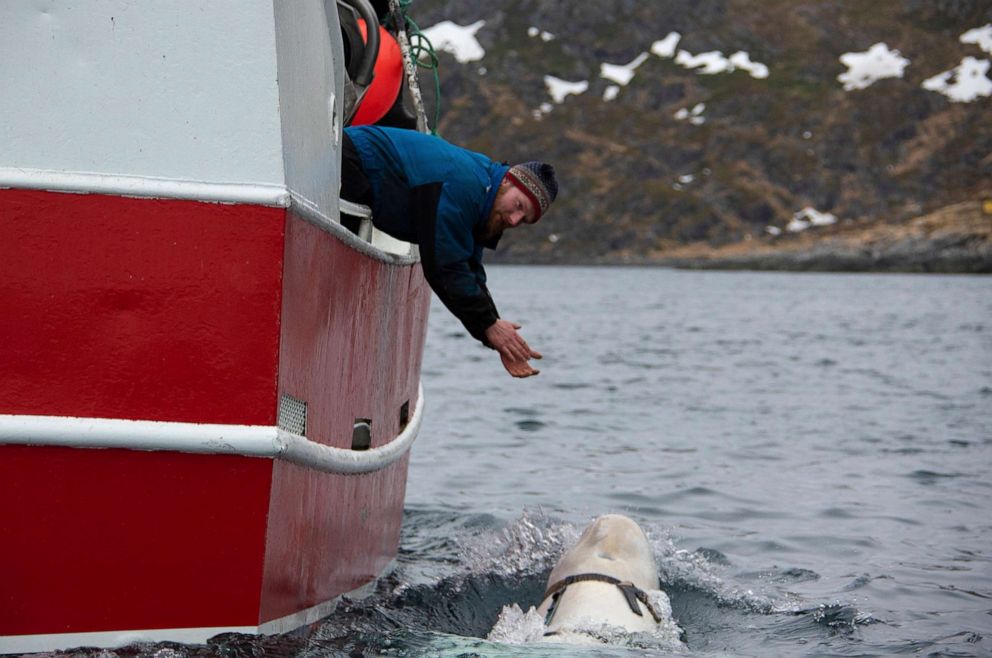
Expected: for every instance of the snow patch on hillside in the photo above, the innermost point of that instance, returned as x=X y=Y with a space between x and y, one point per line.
x=713 y=62
x=665 y=48
x=980 y=36
x=459 y=40
x=693 y=116
x=537 y=32
x=559 y=88
x=966 y=82
x=866 y=68
x=808 y=217
x=622 y=74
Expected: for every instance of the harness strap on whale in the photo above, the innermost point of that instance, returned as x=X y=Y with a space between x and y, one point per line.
x=631 y=592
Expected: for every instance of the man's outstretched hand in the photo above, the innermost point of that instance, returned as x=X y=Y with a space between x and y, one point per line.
x=513 y=349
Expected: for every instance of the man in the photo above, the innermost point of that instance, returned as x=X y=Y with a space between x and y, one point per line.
x=452 y=203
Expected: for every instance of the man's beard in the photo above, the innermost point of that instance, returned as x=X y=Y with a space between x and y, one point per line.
x=494 y=223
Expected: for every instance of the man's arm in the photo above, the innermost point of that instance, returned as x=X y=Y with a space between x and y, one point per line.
x=462 y=290
x=460 y=285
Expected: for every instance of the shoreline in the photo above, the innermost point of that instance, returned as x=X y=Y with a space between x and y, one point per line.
x=956 y=239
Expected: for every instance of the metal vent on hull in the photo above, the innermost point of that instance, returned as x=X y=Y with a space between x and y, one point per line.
x=293 y=415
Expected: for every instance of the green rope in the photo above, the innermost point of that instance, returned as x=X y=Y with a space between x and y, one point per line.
x=420 y=46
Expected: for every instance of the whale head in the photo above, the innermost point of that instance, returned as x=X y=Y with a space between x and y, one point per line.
x=614 y=545
x=608 y=579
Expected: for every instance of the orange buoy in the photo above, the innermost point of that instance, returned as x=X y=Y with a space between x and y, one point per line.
x=385 y=85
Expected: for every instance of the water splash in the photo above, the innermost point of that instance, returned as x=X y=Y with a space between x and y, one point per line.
x=514 y=626
x=694 y=569
x=841 y=617
x=531 y=545
x=528 y=546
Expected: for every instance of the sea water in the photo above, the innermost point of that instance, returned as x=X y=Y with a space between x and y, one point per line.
x=809 y=455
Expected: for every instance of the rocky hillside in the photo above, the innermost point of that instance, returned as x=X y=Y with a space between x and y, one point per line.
x=684 y=128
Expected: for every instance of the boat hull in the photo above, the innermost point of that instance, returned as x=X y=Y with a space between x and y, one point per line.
x=177 y=313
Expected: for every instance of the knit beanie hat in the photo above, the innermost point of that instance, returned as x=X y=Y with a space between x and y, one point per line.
x=537 y=181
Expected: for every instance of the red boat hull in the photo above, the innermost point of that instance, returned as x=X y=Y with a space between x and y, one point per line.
x=201 y=313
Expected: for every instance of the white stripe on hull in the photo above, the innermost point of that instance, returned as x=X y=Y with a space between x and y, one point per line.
x=245 y=440
x=144 y=186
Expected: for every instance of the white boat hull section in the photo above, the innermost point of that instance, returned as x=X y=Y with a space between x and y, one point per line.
x=173 y=110
x=162 y=95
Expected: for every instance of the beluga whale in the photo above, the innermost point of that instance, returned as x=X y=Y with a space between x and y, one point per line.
x=603 y=590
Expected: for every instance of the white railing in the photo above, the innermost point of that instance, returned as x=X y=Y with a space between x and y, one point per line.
x=205 y=438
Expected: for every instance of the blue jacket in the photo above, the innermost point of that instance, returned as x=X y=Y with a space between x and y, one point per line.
x=438 y=196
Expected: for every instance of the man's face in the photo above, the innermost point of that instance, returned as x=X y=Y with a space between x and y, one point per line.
x=510 y=209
